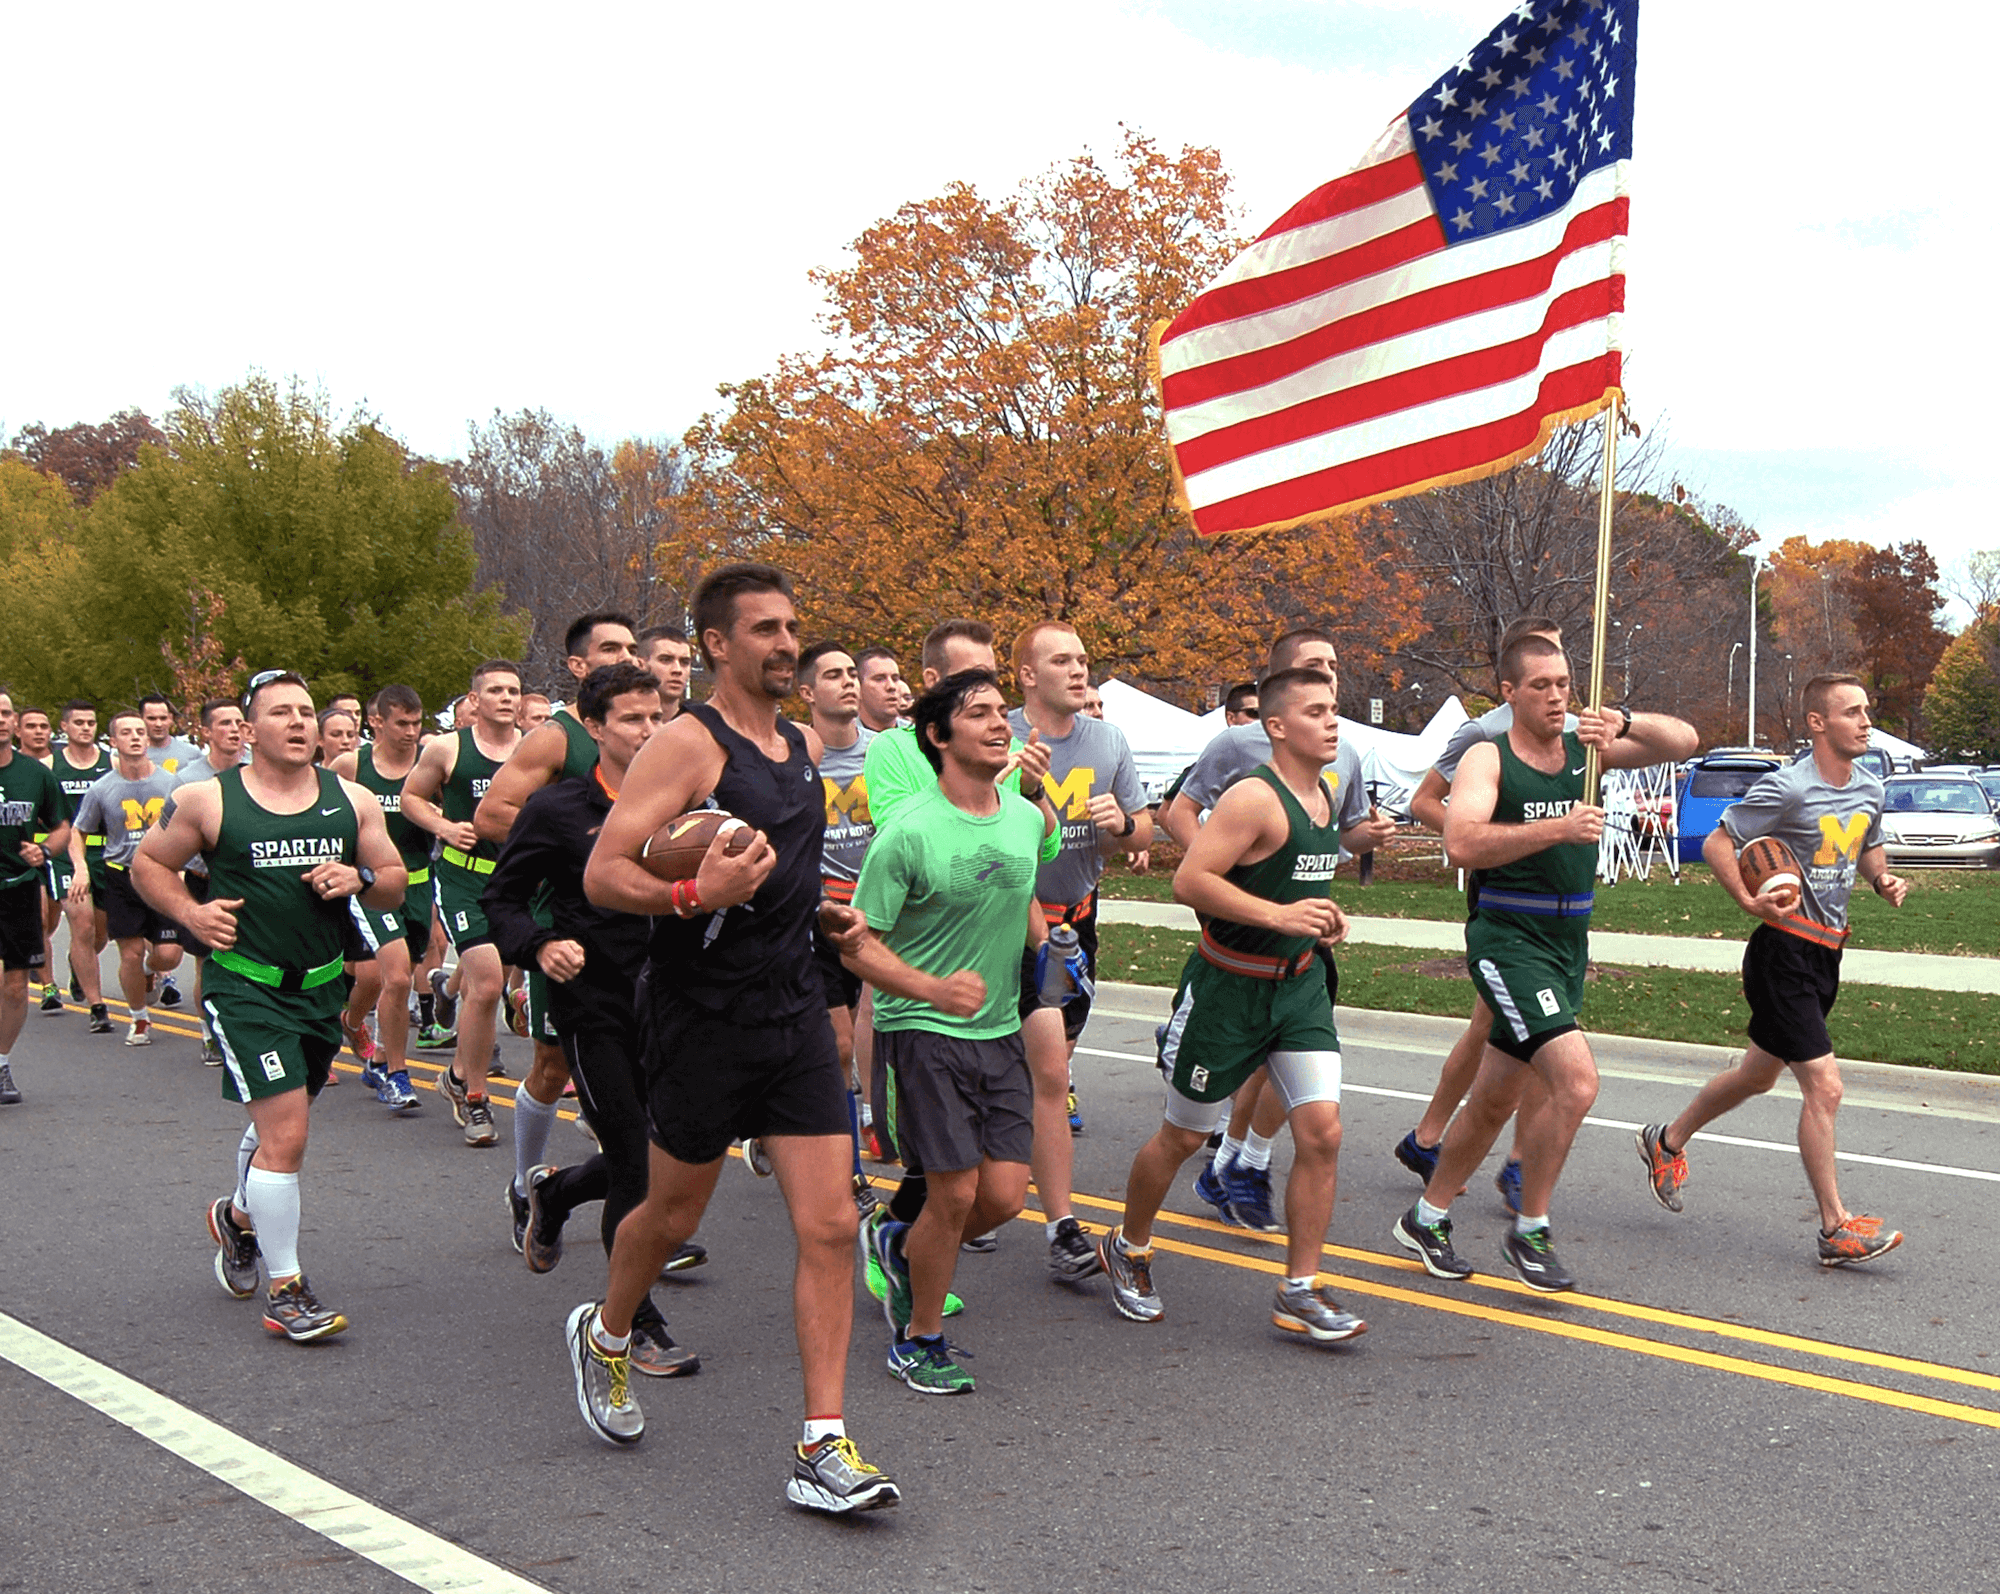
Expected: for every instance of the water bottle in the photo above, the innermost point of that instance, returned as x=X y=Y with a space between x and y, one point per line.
x=1052 y=966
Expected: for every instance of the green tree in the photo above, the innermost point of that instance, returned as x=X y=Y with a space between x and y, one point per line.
x=1962 y=704
x=38 y=522
x=332 y=551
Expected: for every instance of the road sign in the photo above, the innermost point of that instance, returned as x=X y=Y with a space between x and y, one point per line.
x=1374 y=711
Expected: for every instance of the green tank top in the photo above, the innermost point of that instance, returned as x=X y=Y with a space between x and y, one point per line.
x=1568 y=869
x=471 y=774
x=75 y=782
x=580 y=758
x=263 y=858
x=412 y=843
x=1301 y=868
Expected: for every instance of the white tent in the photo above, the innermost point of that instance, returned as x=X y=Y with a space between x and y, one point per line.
x=1895 y=746
x=1166 y=739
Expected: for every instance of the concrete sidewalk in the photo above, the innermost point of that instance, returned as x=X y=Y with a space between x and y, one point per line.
x=1859 y=966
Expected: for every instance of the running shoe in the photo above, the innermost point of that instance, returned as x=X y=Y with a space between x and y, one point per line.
x=141 y=1033
x=1250 y=1198
x=235 y=1250
x=517 y=1011
x=360 y=1042
x=926 y=1365
x=479 y=1126
x=756 y=1158
x=452 y=1088
x=100 y=1020
x=1072 y=1258
x=397 y=1093
x=494 y=1068
x=294 y=1311
x=1075 y=1113
x=1857 y=1240
x=211 y=1053
x=1420 y=1160
x=1131 y=1278
x=877 y=1146
x=1666 y=1171
x=1508 y=1182
x=517 y=1210
x=170 y=993
x=446 y=1007
x=689 y=1255
x=52 y=1001
x=982 y=1244
x=1533 y=1259
x=883 y=1236
x=1314 y=1312
x=878 y=1284
x=1432 y=1244
x=866 y=1197
x=374 y=1079
x=542 y=1237
x=831 y=1476
x=603 y=1382
x=435 y=1038
x=655 y=1353
x=10 y=1093
x=1213 y=1188
x=75 y=989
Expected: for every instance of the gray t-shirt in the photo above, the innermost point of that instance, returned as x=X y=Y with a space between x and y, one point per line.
x=1827 y=827
x=1241 y=748
x=1093 y=759
x=179 y=751
x=849 y=824
x=122 y=811
x=1489 y=727
x=187 y=775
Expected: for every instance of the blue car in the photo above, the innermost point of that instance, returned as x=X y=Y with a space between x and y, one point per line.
x=1709 y=785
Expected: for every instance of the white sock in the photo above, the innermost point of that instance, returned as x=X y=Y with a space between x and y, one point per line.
x=1119 y=1240
x=532 y=1122
x=3 y=1059
x=610 y=1344
x=1226 y=1153
x=274 y=1213
x=1257 y=1150
x=867 y=1116
x=244 y=1152
x=1304 y=1283
x=1047 y=1228
x=1527 y=1225
x=818 y=1428
x=1427 y=1214
x=138 y=1015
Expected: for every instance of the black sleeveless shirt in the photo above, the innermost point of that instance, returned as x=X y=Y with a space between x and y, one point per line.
x=755 y=957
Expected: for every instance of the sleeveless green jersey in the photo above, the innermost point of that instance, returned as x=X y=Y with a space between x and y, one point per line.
x=580 y=758
x=471 y=774
x=75 y=782
x=1300 y=869
x=1568 y=869
x=263 y=858
x=412 y=842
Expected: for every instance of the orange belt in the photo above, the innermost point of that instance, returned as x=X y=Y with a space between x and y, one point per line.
x=1070 y=913
x=1808 y=930
x=841 y=891
x=1253 y=965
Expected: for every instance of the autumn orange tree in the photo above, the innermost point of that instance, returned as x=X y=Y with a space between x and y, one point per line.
x=982 y=438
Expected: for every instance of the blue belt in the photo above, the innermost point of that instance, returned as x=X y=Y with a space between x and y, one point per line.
x=1538 y=903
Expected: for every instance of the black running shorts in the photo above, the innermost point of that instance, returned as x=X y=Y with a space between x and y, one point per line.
x=129 y=916
x=21 y=926
x=842 y=984
x=1791 y=984
x=712 y=1078
x=959 y=1102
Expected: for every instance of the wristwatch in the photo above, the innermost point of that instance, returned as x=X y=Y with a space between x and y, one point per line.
x=367 y=876
x=1625 y=729
x=1131 y=824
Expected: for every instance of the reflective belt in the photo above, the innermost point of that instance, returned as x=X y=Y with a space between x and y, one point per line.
x=1253 y=965
x=269 y=974
x=1070 y=913
x=1541 y=904
x=841 y=891
x=420 y=877
x=93 y=841
x=1809 y=930
x=465 y=860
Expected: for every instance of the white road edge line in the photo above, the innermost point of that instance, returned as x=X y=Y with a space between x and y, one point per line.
x=366 y=1530
x=1630 y=1128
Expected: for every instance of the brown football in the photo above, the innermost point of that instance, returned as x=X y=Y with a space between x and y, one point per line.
x=675 y=850
x=1765 y=861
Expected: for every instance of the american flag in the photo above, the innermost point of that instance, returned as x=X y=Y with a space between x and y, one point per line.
x=1433 y=315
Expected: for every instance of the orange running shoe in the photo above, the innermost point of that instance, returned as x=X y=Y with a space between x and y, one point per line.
x=1857 y=1240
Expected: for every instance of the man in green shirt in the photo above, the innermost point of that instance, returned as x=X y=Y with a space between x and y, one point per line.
x=946 y=891
x=31 y=805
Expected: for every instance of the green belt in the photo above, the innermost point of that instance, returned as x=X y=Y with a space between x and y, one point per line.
x=93 y=841
x=277 y=978
x=420 y=877
x=465 y=860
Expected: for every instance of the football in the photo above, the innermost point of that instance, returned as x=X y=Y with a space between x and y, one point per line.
x=1767 y=861
x=675 y=850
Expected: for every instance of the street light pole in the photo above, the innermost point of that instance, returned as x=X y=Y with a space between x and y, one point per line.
x=1752 y=739
x=1729 y=714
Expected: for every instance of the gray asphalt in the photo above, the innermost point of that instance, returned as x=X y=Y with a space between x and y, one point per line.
x=1441 y=1451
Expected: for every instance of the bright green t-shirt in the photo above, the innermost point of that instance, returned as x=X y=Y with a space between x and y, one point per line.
x=896 y=770
x=947 y=890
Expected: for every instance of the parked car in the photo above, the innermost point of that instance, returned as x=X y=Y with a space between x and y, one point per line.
x=1990 y=779
x=1709 y=785
x=1940 y=819
x=1879 y=763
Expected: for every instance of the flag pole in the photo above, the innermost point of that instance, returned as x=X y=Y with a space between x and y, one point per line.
x=1601 y=610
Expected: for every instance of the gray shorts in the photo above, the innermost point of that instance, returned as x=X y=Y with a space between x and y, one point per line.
x=955 y=1103
x=1298 y=1078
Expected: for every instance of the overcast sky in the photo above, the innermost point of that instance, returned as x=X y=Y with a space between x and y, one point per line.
x=605 y=210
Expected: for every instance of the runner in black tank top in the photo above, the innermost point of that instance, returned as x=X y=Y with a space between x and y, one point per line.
x=737 y=1039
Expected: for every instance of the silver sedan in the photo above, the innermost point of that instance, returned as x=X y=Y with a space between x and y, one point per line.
x=1940 y=819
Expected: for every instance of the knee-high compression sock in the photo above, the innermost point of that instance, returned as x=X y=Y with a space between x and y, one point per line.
x=274 y=1213
x=854 y=1129
x=532 y=1122
x=245 y=1150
